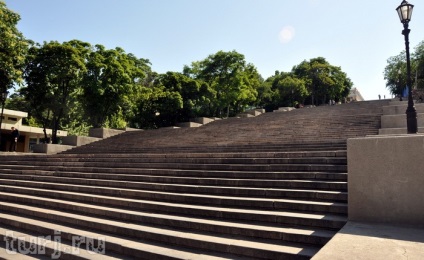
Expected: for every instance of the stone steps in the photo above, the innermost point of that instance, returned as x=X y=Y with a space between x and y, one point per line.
x=136 y=174
x=107 y=167
x=133 y=188
x=301 y=220
x=180 y=153
x=116 y=148
x=164 y=162
x=82 y=193
x=186 y=160
x=209 y=241
x=268 y=187
x=24 y=229
x=22 y=245
x=310 y=235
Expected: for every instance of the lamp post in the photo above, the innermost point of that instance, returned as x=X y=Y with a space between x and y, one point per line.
x=405 y=12
x=4 y=94
x=400 y=85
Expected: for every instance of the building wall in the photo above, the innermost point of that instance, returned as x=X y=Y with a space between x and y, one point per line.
x=13 y=118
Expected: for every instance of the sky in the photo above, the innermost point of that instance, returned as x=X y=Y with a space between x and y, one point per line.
x=359 y=36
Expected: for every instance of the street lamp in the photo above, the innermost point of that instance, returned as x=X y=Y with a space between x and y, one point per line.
x=400 y=85
x=4 y=94
x=405 y=12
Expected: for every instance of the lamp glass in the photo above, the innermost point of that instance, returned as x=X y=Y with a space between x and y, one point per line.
x=405 y=11
x=4 y=94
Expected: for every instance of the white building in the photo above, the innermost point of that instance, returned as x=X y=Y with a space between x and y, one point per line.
x=355 y=95
x=28 y=135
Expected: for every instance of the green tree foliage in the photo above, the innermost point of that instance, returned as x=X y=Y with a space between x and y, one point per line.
x=190 y=92
x=233 y=81
x=418 y=65
x=323 y=81
x=395 y=74
x=266 y=95
x=155 y=107
x=53 y=74
x=395 y=70
x=285 y=90
x=13 y=48
x=111 y=86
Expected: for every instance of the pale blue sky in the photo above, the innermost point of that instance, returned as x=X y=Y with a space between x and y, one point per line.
x=357 y=35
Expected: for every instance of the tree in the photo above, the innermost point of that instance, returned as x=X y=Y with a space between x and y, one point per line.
x=418 y=65
x=190 y=91
x=323 y=80
x=265 y=97
x=395 y=74
x=111 y=86
x=395 y=70
x=291 y=90
x=156 y=107
x=13 y=48
x=53 y=74
x=234 y=82
x=285 y=89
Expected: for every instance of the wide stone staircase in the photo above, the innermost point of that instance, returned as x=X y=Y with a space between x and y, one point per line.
x=268 y=187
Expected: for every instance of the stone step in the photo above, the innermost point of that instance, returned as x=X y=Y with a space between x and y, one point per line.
x=339 y=154
x=249 y=161
x=117 y=149
x=400 y=109
x=182 y=183
x=399 y=121
x=134 y=174
x=254 y=248
x=24 y=245
x=318 y=220
x=187 y=154
x=81 y=193
x=172 y=160
x=115 y=247
x=188 y=166
x=261 y=230
x=140 y=190
x=397 y=131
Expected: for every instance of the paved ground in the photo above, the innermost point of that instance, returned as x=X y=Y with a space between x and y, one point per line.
x=374 y=241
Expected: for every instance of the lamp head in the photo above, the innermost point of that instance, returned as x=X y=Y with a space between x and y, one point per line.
x=4 y=94
x=405 y=11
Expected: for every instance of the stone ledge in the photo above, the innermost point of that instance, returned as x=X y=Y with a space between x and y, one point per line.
x=203 y=120
x=104 y=132
x=397 y=131
x=50 y=148
x=189 y=124
x=284 y=109
x=401 y=109
x=398 y=121
x=78 y=140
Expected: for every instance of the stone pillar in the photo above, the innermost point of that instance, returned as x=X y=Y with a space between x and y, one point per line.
x=386 y=179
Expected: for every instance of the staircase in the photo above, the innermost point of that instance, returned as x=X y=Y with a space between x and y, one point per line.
x=268 y=187
x=393 y=120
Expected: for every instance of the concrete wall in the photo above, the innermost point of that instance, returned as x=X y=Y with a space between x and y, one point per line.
x=401 y=109
x=398 y=121
x=50 y=148
x=103 y=132
x=397 y=131
x=189 y=124
x=386 y=179
x=78 y=140
x=203 y=120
